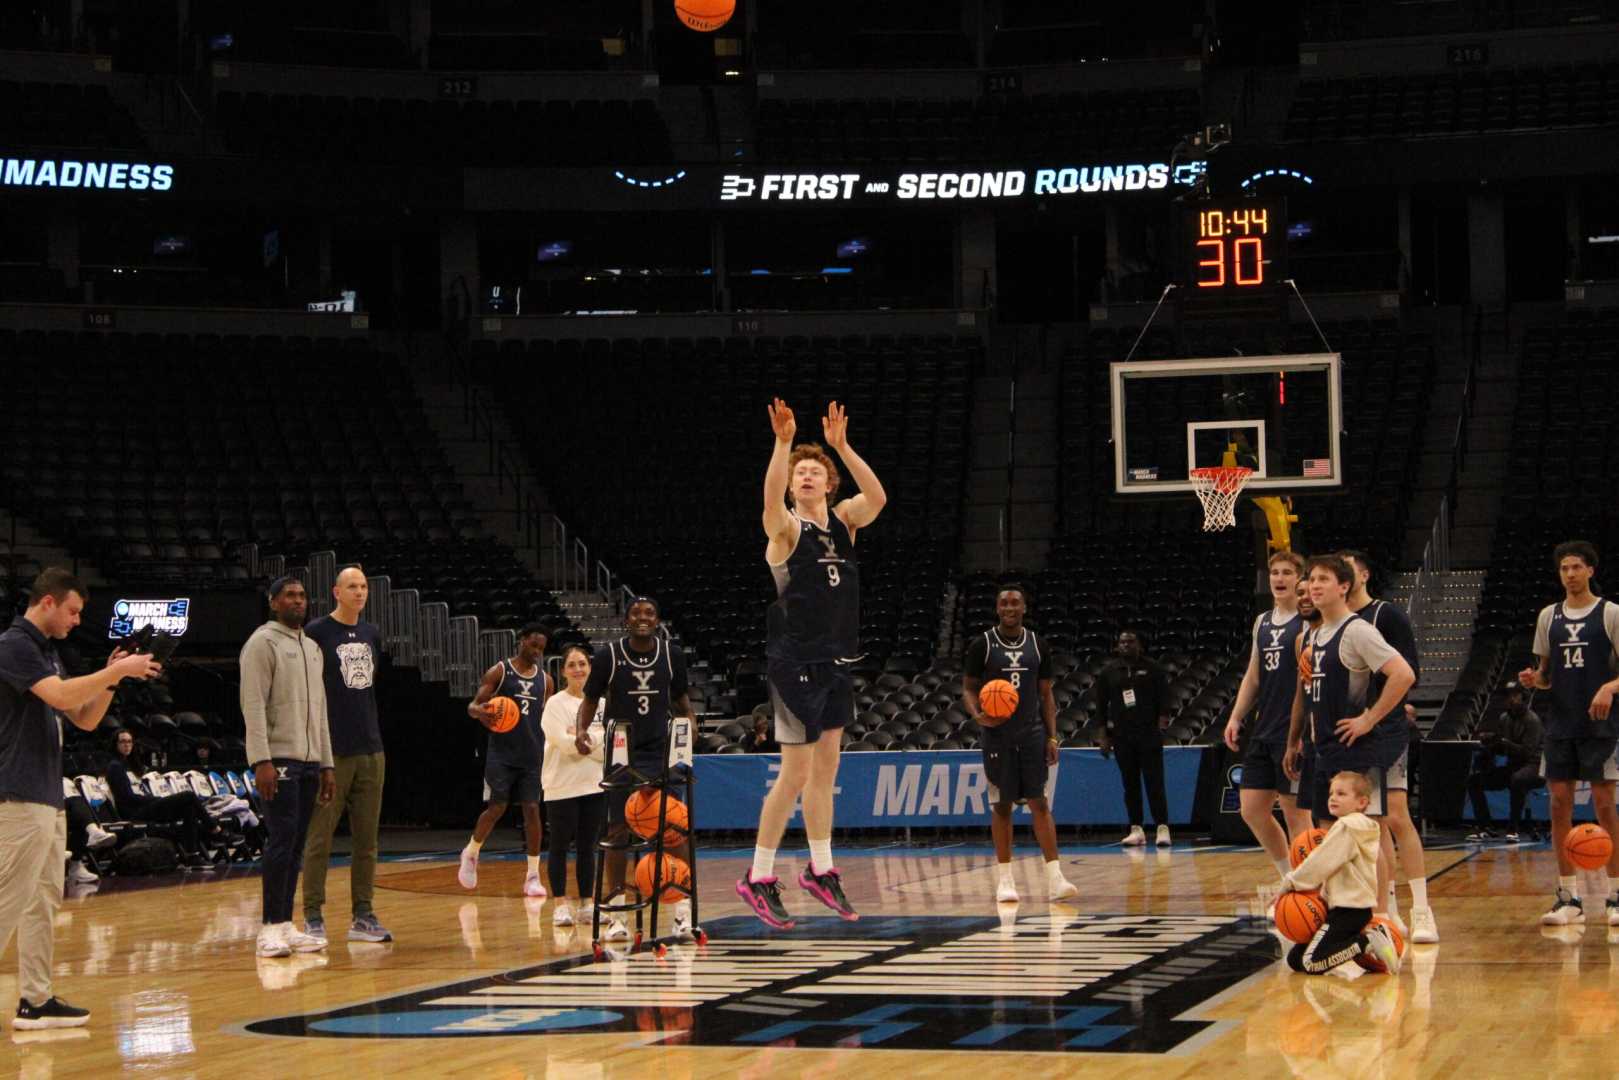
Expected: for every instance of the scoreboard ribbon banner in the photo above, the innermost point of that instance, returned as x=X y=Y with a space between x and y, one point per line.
x=929 y=788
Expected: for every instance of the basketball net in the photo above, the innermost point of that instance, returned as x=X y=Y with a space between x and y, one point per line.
x=1218 y=489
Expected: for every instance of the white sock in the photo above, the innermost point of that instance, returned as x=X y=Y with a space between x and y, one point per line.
x=534 y=864
x=764 y=863
x=682 y=909
x=475 y=846
x=1419 y=892
x=820 y=855
x=1003 y=873
x=1282 y=867
x=1054 y=871
x=1570 y=885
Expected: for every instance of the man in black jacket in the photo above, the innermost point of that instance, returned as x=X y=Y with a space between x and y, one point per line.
x=1513 y=735
x=1132 y=692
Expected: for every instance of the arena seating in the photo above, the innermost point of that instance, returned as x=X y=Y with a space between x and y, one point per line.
x=690 y=433
x=1568 y=377
x=417 y=130
x=1454 y=103
x=64 y=114
x=990 y=129
x=166 y=488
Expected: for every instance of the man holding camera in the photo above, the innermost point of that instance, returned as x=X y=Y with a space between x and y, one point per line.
x=290 y=750
x=34 y=699
x=1508 y=757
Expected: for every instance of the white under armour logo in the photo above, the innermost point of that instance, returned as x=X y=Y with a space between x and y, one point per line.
x=803 y=678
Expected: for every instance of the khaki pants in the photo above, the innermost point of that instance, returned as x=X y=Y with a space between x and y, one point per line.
x=33 y=850
x=359 y=791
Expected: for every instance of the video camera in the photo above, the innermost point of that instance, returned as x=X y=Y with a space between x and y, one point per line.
x=160 y=644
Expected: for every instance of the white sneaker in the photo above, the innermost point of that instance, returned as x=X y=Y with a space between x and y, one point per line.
x=531 y=886
x=1382 y=947
x=1424 y=931
x=272 y=940
x=468 y=874
x=682 y=928
x=1063 y=889
x=562 y=916
x=299 y=941
x=616 y=930
x=1163 y=836
x=1566 y=910
x=98 y=837
x=1136 y=838
x=1006 y=892
x=587 y=912
x=80 y=874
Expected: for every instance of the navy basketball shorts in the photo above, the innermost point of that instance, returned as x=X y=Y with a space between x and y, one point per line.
x=809 y=699
x=1382 y=780
x=1579 y=759
x=509 y=782
x=1262 y=767
x=1015 y=763
x=1305 y=786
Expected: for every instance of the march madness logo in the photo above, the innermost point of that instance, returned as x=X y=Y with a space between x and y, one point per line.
x=1050 y=983
x=166 y=616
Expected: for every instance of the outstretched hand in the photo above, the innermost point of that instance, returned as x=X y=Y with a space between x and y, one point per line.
x=781 y=421
x=835 y=427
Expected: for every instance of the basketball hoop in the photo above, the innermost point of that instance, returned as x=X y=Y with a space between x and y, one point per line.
x=1218 y=490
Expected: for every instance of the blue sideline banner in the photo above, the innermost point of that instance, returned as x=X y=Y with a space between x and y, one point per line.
x=927 y=788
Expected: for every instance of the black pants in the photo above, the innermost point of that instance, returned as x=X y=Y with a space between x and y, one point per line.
x=1142 y=760
x=79 y=819
x=287 y=818
x=1341 y=938
x=574 y=822
x=1519 y=782
x=184 y=810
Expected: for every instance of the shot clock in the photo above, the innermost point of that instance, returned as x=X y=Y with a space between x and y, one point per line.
x=1235 y=244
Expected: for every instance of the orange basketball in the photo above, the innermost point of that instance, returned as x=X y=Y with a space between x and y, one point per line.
x=998 y=699
x=675 y=872
x=506 y=714
x=1371 y=963
x=1589 y=846
x=1300 y=914
x=705 y=16
x=1306 y=843
x=641 y=815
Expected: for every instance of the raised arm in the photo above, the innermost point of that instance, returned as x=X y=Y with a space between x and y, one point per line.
x=778 y=522
x=860 y=510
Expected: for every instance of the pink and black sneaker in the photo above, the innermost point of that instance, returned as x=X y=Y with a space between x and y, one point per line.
x=828 y=889
x=763 y=897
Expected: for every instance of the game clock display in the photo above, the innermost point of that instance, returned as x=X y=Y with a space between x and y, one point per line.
x=1236 y=244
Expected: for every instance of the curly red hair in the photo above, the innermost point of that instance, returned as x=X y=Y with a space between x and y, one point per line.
x=814 y=452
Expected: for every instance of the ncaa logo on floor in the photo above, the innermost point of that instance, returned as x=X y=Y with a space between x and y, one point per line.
x=1048 y=983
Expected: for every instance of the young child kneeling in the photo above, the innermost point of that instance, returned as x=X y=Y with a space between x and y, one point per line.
x=1344 y=869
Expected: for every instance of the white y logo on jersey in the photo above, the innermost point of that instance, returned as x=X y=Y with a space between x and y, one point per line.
x=525 y=687
x=1014 y=659
x=831 y=546
x=1276 y=638
x=644 y=679
x=1574 y=629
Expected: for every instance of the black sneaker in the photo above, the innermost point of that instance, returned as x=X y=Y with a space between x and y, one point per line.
x=763 y=898
x=828 y=889
x=55 y=1013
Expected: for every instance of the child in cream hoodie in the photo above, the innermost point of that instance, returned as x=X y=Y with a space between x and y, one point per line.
x=1344 y=869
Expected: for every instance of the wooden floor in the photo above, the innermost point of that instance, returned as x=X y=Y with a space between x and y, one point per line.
x=1186 y=988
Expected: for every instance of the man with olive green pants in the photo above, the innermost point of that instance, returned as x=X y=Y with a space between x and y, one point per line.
x=352 y=649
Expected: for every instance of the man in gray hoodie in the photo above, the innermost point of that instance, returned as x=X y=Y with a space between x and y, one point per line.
x=290 y=749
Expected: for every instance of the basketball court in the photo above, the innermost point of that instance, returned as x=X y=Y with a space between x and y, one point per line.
x=1160 y=969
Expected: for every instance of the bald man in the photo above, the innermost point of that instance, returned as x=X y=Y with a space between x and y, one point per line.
x=352 y=649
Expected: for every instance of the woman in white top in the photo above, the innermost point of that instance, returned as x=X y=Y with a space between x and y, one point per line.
x=574 y=800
